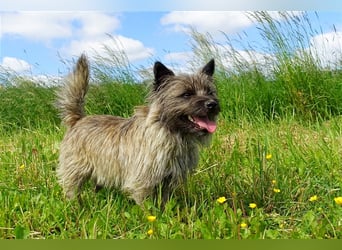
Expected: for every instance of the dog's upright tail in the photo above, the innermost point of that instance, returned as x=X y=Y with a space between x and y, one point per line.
x=70 y=98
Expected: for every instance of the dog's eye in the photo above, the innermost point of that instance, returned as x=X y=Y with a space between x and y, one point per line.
x=211 y=92
x=187 y=94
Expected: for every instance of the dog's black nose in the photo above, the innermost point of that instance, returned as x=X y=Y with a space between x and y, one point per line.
x=210 y=104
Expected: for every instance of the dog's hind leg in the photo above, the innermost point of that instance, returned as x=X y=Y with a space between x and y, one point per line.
x=72 y=179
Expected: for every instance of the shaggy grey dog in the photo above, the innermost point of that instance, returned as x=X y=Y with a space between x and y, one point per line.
x=159 y=144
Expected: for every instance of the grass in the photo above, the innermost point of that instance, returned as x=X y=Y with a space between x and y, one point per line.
x=278 y=146
x=305 y=161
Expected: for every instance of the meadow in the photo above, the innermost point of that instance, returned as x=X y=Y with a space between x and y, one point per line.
x=273 y=170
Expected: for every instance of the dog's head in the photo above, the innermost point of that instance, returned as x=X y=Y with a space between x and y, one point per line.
x=187 y=104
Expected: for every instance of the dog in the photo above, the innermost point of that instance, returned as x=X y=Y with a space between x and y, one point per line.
x=157 y=147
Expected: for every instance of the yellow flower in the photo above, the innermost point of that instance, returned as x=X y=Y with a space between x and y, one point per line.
x=221 y=199
x=338 y=200
x=274 y=182
x=276 y=190
x=252 y=205
x=151 y=218
x=268 y=157
x=313 y=198
x=150 y=232
x=243 y=225
x=22 y=166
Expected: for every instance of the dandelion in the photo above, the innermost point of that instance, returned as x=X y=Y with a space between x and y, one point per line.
x=221 y=199
x=22 y=167
x=150 y=232
x=276 y=190
x=313 y=198
x=252 y=205
x=274 y=182
x=268 y=157
x=243 y=225
x=338 y=200
x=151 y=218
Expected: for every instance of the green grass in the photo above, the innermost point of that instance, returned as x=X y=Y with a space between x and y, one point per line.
x=306 y=160
x=282 y=132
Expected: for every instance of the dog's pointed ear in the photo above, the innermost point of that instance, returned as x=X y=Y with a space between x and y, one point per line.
x=209 y=68
x=160 y=72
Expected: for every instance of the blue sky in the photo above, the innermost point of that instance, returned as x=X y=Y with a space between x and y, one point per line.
x=35 y=37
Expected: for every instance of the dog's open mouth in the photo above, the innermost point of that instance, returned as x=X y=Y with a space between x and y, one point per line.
x=203 y=123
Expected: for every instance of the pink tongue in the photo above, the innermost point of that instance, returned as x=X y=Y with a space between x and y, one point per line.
x=204 y=122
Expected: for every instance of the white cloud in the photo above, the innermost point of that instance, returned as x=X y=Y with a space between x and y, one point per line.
x=95 y=24
x=79 y=31
x=178 y=56
x=246 y=60
x=227 y=57
x=327 y=48
x=36 y=25
x=134 y=49
x=207 y=21
x=15 y=64
x=46 y=80
x=214 y=22
x=180 y=62
x=47 y=25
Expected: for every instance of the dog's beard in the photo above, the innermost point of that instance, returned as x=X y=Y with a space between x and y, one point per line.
x=190 y=116
x=191 y=124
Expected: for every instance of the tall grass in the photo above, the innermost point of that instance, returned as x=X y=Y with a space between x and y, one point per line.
x=26 y=105
x=281 y=77
x=278 y=145
x=114 y=65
